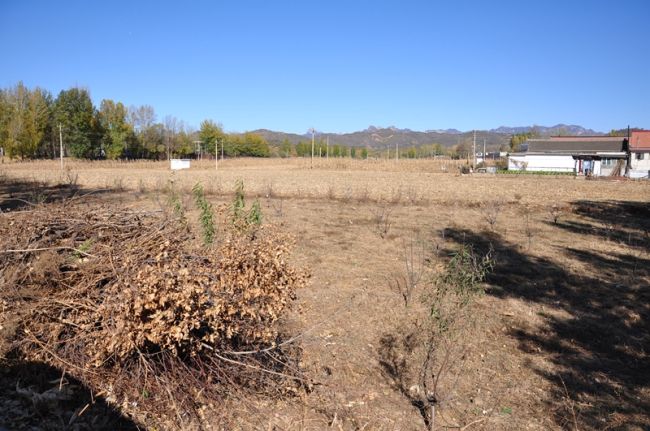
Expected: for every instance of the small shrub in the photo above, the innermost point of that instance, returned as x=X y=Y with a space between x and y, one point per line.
x=206 y=216
x=364 y=195
x=529 y=232
x=347 y=194
x=177 y=205
x=465 y=273
x=555 y=211
x=118 y=184
x=331 y=193
x=244 y=220
x=254 y=216
x=238 y=203
x=70 y=178
x=413 y=196
x=491 y=213
x=83 y=248
x=396 y=196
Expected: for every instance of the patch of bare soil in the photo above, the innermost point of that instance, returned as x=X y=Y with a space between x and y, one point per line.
x=558 y=342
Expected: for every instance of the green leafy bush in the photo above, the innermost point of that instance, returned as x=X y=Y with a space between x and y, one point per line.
x=206 y=216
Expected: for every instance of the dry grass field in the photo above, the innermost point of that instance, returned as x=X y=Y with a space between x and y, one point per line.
x=559 y=341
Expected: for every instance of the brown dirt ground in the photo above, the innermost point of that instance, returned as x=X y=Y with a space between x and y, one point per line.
x=559 y=342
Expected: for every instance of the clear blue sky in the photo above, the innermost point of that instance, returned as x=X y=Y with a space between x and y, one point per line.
x=342 y=65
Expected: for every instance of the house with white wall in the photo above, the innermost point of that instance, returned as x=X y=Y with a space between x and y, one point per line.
x=639 y=154
x=582 y=155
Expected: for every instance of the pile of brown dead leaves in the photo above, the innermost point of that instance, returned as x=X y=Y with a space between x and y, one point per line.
x=127 y=303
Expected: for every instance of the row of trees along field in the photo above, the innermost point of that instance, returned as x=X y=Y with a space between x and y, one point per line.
x=30 y=120
x=323 y=149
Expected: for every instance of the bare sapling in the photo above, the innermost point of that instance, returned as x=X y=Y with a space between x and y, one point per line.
x=426 y=353
x=529 y=231
x=451 y=295
x=382 y=220
x=406 y=281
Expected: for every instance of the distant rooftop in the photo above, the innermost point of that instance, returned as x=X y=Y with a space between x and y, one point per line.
x=576 y=144
x=585 y=138
x=640 y=140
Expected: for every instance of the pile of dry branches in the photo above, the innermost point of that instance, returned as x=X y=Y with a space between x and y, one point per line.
x=127 y=303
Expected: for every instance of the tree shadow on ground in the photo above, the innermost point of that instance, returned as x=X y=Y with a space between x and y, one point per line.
x=602 y=371
x=395 y=367
x=621 y=221
x=625 y=214
x=36 y=396
x=19 y=194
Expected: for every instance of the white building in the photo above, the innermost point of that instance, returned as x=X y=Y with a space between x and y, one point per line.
x=582 y=155
x=640 y=154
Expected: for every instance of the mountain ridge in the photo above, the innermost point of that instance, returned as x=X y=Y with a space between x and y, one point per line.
x=385 y=137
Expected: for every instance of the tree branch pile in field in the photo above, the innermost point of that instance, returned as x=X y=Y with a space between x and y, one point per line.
x=125 y=302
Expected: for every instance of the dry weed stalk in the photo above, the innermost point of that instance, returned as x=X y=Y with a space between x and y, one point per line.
x=569 y=405
x=277 y=205
x=69 y=177
x=348 y=193
x=142 y=187
x=395 y=196
x=269 y=192
x=413 y=196
x=364 y=195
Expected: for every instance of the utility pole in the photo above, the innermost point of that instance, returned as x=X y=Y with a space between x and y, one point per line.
x=396 y=152
x=312 y=148
x=61 y=146
x=474 y=155
x=327 y=152
x=628 y=162
x=216 y=154
x=484 y=156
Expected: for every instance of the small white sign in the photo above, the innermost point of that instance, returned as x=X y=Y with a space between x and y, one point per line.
x=180 y=164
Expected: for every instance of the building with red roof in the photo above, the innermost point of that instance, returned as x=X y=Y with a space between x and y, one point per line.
x=639 y=154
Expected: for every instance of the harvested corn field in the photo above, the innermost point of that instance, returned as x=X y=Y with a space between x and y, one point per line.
x=545 y=329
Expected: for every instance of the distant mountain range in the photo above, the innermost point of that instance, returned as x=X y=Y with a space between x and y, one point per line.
x=558 y=129
x=383 y=137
